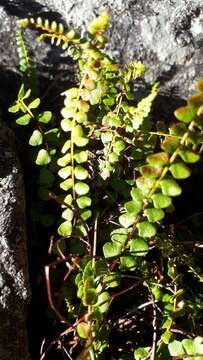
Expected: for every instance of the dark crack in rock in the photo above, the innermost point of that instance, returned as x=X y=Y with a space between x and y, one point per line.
x=14 y=284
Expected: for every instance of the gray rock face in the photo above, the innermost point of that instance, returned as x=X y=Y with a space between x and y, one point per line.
x=14 y=286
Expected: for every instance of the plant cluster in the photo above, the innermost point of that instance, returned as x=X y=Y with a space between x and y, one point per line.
x=113 y=172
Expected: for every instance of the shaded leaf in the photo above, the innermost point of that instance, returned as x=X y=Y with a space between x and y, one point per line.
x=161 y=201
x=154 y=215
x=111 y=249
x=126 y=220
x=128 y=263
x=138 y=246
x=150 y=171
x=133 y=207
x=170 y=144
x=146 y=229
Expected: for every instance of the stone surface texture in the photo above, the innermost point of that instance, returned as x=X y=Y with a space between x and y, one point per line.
x=14 y=285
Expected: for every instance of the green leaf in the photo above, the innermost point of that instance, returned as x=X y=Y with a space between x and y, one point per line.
x=145 y=184
x=81 y=188
x=106 y=137
x=14 y=109
x=111 y=249
x=81 y=141
x=126 y=220
x=80 y=172
x=81 y=117
x=65 y=172
x=170 y=144
x=103 y=298
x=113 y=157
x=195 y=101
x=189 y=346
x=90 y=297
x=179 y=170
x=161 y=201
x=66 y=146
x=83 y=202
x=66 y=184
x=154 y=215
x=36 y=138
x=139 y=247
x=85 y=215
x=68 y=199
x=64 y=160
x=81 y=156
x=112 y=280
x=118 y=146
x=119 y=235
x=43 y=157
x=46 y=177
x=185 y=114
x=170 y=187
x=137 y=195
x=23 y=120
x=83 y=329
x=34 y=104
x=68 y=214
x=176 y=348
x=65 y=229
x=128 y=263
x=141 y=353
x=21 y=92
x=45 y=117
x=146 y=229
x=159 y=159
x=199 y=345
x=133 y=207
x=66 y=125
x=67 y=113
x=150 y=171
x=188 y=155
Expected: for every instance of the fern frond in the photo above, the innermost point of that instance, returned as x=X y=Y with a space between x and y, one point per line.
x=26 y=63
x=51 y=29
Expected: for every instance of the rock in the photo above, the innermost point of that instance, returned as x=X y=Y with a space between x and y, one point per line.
x=14 y=284
x=166 y=34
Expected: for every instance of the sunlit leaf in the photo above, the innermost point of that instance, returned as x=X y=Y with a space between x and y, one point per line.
x=45 y=117
x=65 y=229
x=188 y=155
x=176 y=348
x=179 y=170
x=66 y=184
x=81 y=156
x=170 y=187
x=185 y=114
x=103 y=299
x=133 y=207
x=80 y=172
x=34 y=104
x=68 y=214
x=128 y=263
x=83 y=202
x=43 y=157
x=24 y=120
x=81 y=188
x=170 y=144
x=158 y=159
x=65 y=172
x=150 y=171
x=36 y=138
